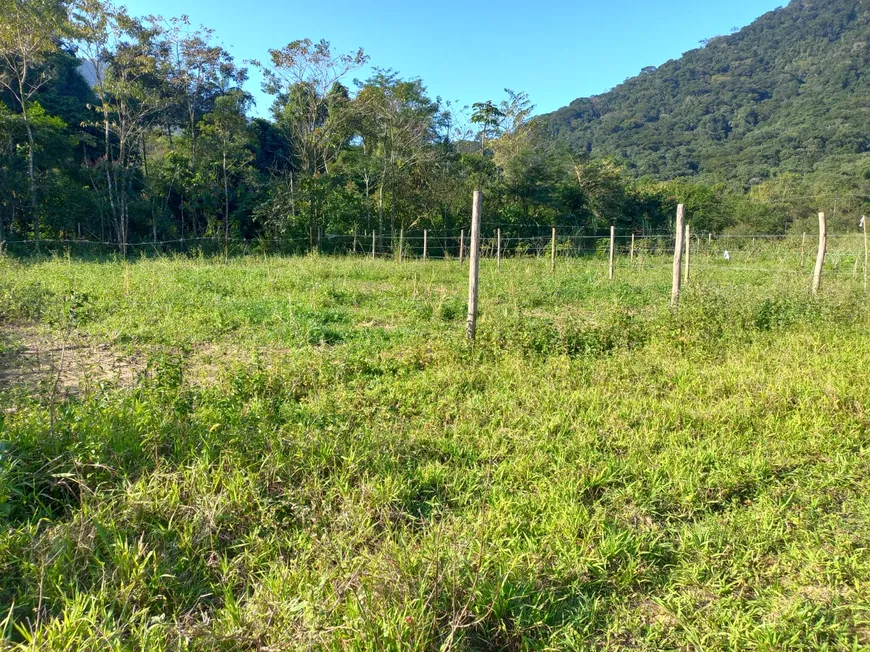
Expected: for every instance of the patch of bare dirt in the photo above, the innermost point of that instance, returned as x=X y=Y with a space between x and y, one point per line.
x=35 y=358
x=47 y=362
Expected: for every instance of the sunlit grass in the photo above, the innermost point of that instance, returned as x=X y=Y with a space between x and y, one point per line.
x=314 y=457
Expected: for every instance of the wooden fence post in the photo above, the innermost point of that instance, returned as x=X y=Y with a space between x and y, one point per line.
x=425 y=244
x=461 y=246
x=373 y=244
x=401 y=244
x=553 y=252
x=355 y=237
x=473 y=267
x=678 y=255
x=632 y=246
x=498 y=248
x=864 y=223
x=820 y=256
x=612 y=248
x=688 y=260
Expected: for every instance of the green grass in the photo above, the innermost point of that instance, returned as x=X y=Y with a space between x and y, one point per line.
x=313 y=457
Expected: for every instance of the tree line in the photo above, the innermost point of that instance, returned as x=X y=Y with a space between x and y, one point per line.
x=116 y=128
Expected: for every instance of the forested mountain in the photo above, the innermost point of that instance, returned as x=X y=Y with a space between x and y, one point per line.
x=781 y=95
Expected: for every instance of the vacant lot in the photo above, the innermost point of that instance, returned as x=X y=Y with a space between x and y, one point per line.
x=285 y=453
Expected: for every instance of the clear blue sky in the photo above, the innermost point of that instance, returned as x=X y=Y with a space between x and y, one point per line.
x=556 y=51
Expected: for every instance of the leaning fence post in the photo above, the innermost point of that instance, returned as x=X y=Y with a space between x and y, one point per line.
x=678 y=255
x=688 y=260
x=632 y=246
x=473 y=267
x=612 y=248
x=553 y=252
x=461 y=246
x=373 y=244
x=425 y=244
x=820 y=256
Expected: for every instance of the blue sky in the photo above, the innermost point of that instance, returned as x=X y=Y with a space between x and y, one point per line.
x=471 y=51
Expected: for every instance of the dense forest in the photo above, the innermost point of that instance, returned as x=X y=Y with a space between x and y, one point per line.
x=786 y=95
x=123 y=129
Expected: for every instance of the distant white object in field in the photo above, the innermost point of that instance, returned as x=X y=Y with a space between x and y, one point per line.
x=727 y=255
x=861 y=223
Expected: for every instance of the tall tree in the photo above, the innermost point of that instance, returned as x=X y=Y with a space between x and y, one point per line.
x=489 y=117
x=517 y=130
x=398 y=128
x=312 y=106
x=28 y=35
x=199 y=71
x=604 y=191
x=127 y=59
x=306 y=77
x=226 y=126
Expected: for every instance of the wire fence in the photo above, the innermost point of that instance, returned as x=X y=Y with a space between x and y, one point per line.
x=785 y=252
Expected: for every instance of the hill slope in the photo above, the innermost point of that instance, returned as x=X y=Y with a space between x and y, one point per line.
x=783 y=94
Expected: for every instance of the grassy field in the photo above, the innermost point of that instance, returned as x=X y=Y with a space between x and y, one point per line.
x=292 y=453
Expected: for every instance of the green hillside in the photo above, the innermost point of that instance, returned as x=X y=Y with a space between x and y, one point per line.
x=781 y=95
